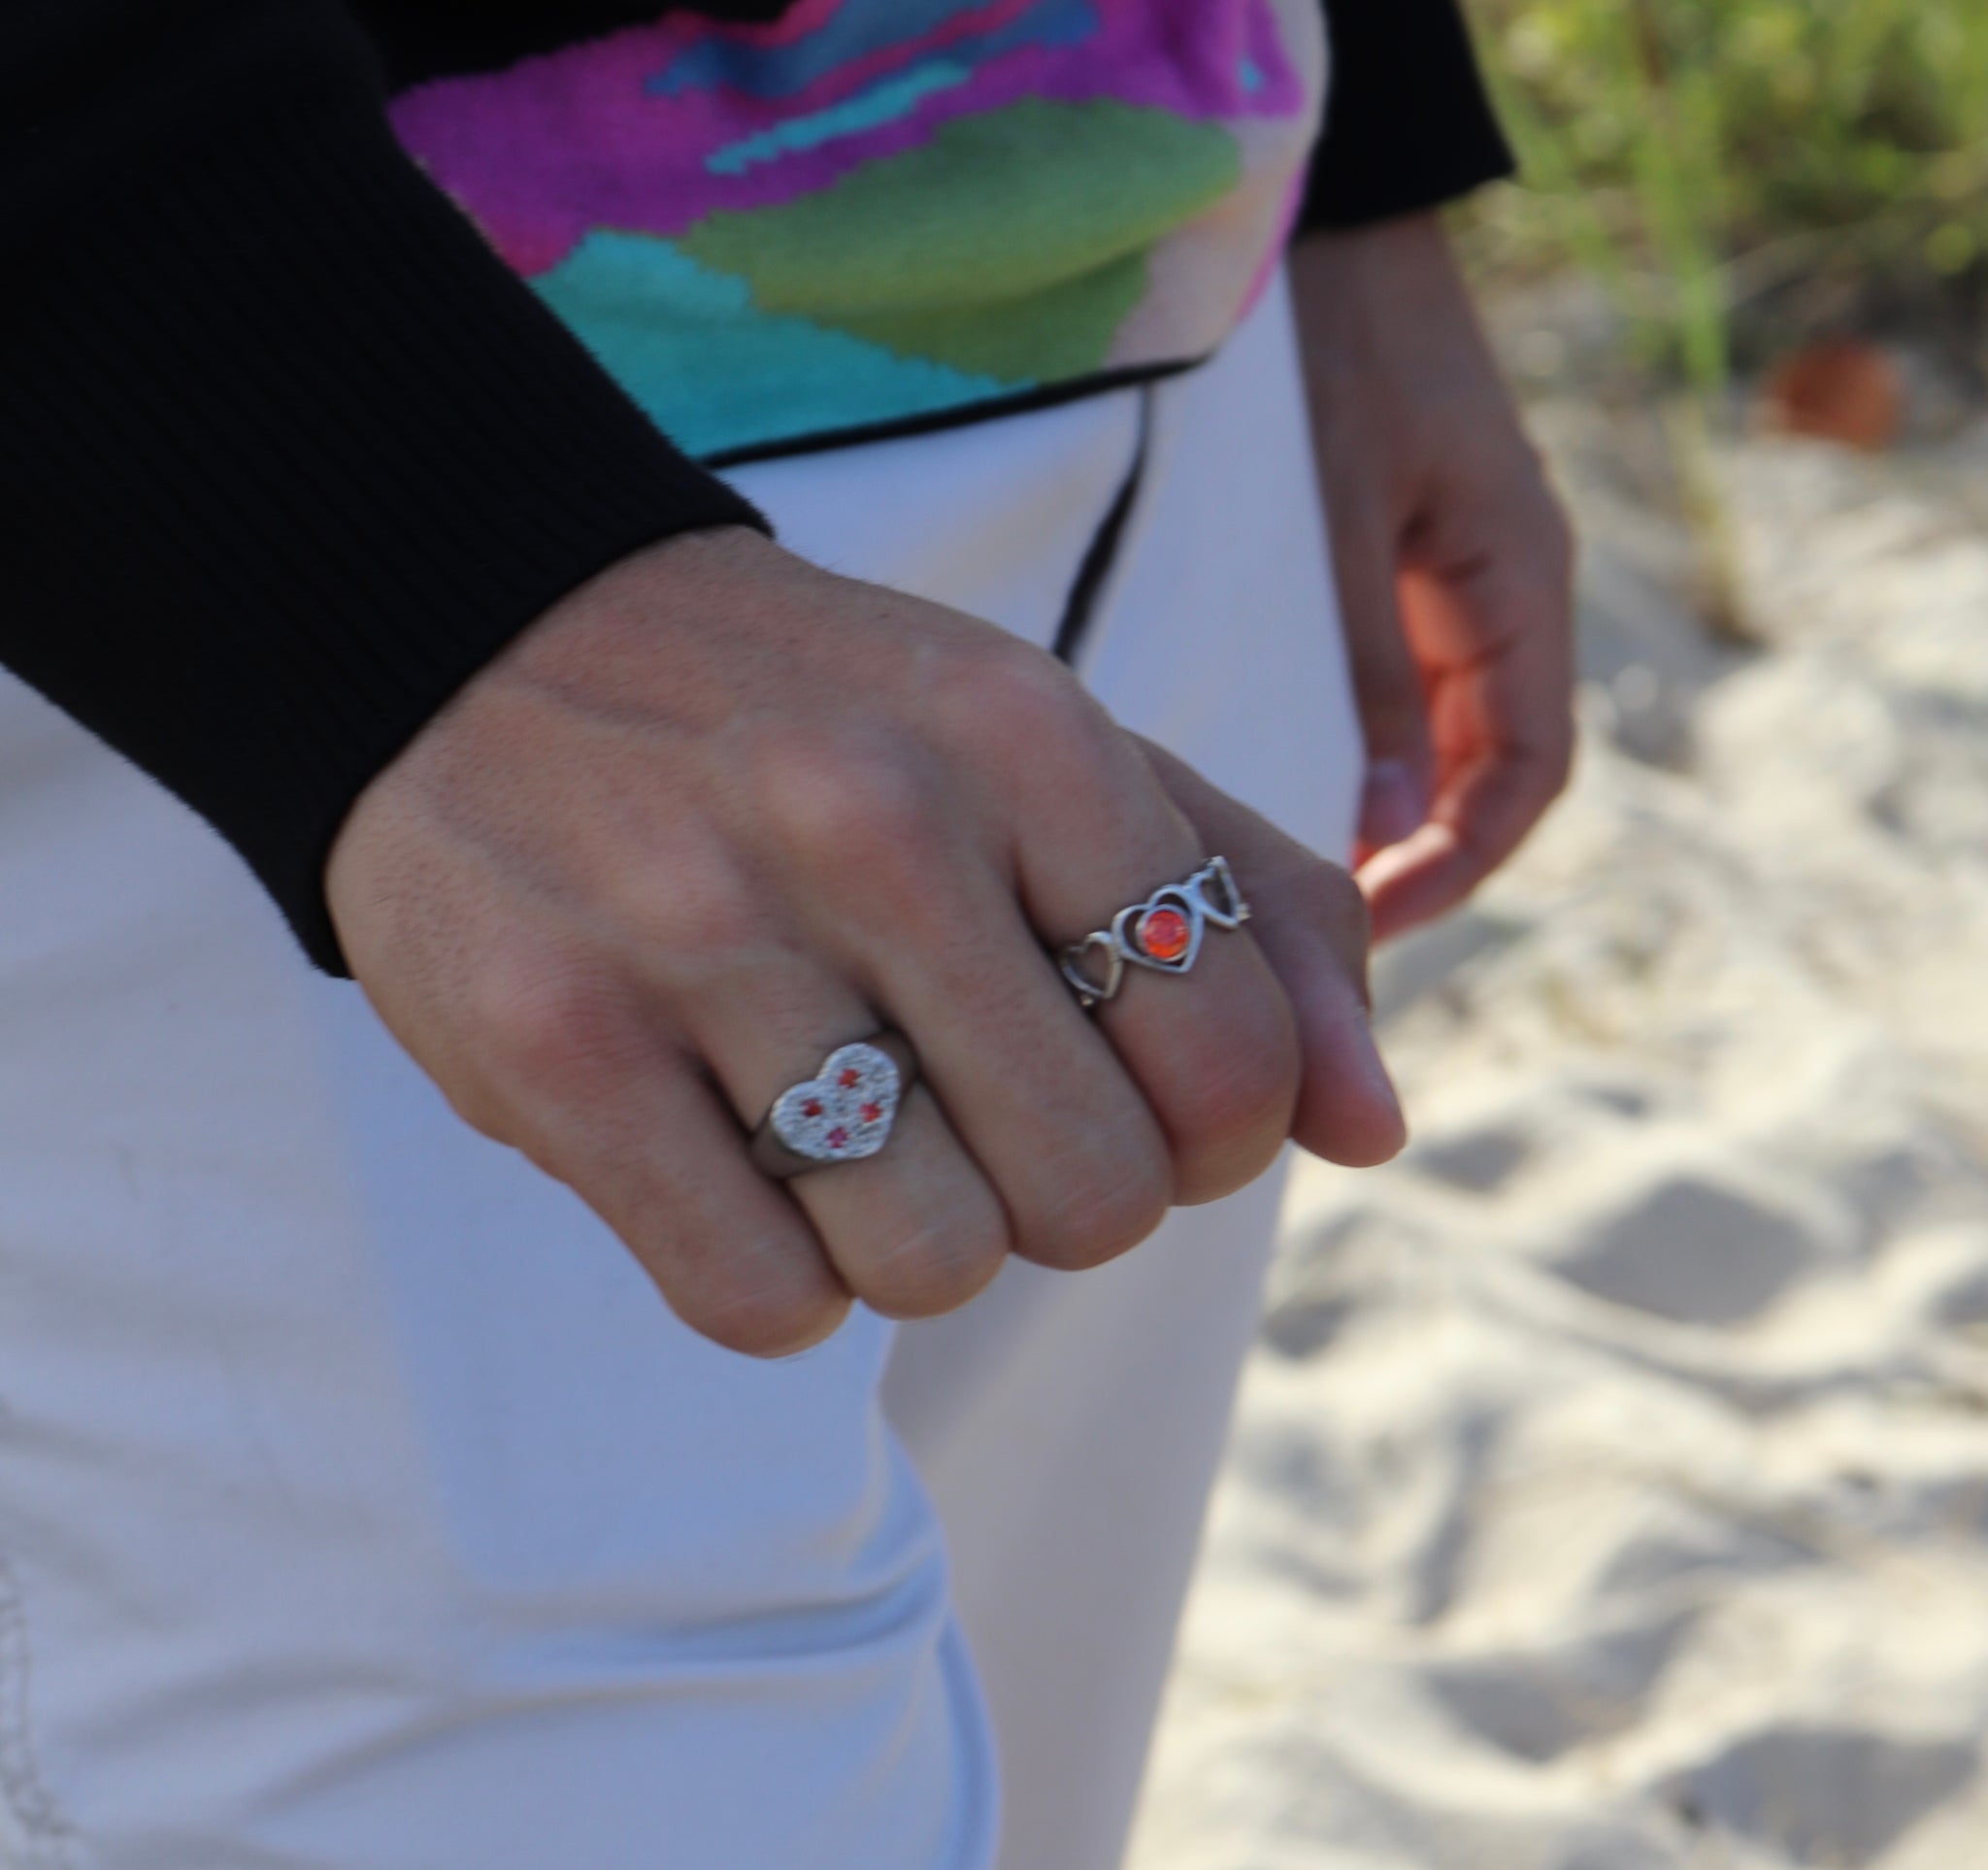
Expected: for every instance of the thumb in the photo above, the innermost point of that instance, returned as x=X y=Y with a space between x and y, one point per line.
x=1387 y=686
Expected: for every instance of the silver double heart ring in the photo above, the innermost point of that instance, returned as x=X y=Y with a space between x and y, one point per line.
x=1163 y=933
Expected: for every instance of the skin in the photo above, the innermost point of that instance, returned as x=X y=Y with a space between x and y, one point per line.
x=1453 y=560
x=719 y=811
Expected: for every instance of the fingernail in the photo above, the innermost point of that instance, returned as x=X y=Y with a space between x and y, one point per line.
x=1391 y=803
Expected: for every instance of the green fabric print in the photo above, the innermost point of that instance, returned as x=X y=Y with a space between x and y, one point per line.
x=1010 y=246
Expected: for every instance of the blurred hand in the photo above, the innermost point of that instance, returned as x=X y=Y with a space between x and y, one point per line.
x=719 y=812
x=1453 y=561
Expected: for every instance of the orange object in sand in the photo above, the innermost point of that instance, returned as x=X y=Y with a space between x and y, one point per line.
x=1841 y=389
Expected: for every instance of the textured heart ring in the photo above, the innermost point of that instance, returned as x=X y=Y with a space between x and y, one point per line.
x=842 y=1114
x=1163 y=933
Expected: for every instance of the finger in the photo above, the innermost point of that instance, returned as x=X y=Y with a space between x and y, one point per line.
x=1311 y=925
x=1080 y=1164
x=1387 y=685
x=908 y=898
x=914 y=1230
x=1214 y=1054
x=1497 y=636
x=1481 y=816
x=593 y=1090
x=918 y=1229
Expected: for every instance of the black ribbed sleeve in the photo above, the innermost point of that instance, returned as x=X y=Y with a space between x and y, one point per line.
x=1407 y=124
x=287 y=452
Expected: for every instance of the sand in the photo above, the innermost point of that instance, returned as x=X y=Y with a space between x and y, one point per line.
x=1609 y=1487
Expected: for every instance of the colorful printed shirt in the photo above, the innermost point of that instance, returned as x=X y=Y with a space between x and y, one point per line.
x=288 y=452
x=876 y=215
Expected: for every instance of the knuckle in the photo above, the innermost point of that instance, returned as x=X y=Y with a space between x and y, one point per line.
x=1007 y=696
x=1558 y=547
x=1059 y=763
x=486 y=1111
x=1238 y=1092
x=935 y=1265
x=1557 y=768
x=1327 y=897
x=761 y=1286
x=1539 y=772
x=545 y=1016
x=867 y=808
x=692 y=902
x=1546 y=553
x=1092 y=1210
x=766 y=1319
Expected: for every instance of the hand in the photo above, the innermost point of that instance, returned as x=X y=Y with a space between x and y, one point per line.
x=718 y=812
x=1453 y=560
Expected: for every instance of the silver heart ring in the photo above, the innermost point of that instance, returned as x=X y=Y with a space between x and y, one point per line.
x=1163 y=933
x=842 y=1114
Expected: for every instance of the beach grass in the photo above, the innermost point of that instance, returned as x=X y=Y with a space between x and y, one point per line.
x=1735 y=170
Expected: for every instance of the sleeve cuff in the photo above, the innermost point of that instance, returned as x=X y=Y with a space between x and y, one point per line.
x=286 y=454
x=1408 y=123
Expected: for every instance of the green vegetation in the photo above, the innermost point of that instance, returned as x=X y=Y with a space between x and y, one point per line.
x=1728 y=167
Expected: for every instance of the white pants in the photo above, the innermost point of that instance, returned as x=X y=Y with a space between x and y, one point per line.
x=362 y=1508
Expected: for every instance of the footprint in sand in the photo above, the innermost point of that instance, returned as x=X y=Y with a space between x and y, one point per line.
x=1694 y=1249
x=1832 y=1797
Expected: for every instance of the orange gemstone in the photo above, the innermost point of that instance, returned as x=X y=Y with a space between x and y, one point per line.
x=1163 y=933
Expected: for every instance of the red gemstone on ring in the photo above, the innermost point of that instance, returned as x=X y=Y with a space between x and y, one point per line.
x=1164 y=934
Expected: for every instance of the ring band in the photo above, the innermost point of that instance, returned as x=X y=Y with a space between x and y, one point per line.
x=842 y=1114
x=1163 y=933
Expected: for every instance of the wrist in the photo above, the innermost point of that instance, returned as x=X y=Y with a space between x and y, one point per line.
x=664 y=586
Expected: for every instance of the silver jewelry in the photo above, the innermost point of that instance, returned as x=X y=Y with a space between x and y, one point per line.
x=841 y=1114
x=1163 y=933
